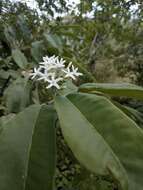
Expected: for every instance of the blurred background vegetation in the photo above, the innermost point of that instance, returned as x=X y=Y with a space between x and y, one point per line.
x=104 y=38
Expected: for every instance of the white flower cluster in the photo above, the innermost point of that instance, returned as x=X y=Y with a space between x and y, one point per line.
x=53 y=71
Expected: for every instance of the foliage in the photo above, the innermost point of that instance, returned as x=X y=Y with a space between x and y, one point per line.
x=28 y=148
x=106 y=47
x=81 y=127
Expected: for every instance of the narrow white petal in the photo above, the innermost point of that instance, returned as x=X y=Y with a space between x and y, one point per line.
x=49 y=86
x=57 y=86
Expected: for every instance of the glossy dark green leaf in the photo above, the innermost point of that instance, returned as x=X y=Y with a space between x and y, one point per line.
x=122 y=89
x=88 y=146
x=120 y=132
x=27 y=149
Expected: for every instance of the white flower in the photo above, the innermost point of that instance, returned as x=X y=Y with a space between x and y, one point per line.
x=35 y=73
x=45 y=75
x=52 y=62
x=72 y=73
x=52 y=70
x=60 y=63
x=53 y=82
x=69 y=73
x=49 y=60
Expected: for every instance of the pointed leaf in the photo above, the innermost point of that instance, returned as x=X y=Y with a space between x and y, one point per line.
x=122 y=89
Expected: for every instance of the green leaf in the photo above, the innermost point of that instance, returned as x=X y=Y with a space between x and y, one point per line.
x=37 y=50
x=17 y=95
x=120 y=132
x=68 y=87
x=137 y=116
x=122 y=89
x=87 y=144
x=4 y=119
x=132 y=113
x=23 y=27
x=10 y=35
x=54 y=41
x=27 y=149
x=19 y=58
